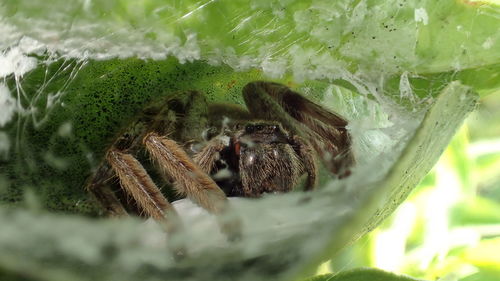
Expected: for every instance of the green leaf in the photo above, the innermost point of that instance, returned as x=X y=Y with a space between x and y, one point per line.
x=307 y=39
x=69 y=247
x=357 y=44
x=483 y=275
x=359 y=274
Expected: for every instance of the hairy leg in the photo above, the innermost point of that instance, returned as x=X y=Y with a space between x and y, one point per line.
x=192 y=116
x=207 y=157
x=306 y=153
x=136 y=182
x=100 y=187
x=191 y=180
x=222 y=112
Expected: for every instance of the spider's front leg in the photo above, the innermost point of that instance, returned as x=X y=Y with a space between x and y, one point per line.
x=188 y=178
x=191 y=180
x=137 y=183
x=306 y=153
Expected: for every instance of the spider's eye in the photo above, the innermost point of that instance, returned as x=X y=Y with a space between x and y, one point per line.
x=249 y=128
x=259 y=127
x=274 y=128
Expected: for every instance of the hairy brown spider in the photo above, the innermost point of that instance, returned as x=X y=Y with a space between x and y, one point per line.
x=209 y=152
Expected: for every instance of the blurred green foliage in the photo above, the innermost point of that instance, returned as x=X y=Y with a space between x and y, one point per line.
x=358 y=274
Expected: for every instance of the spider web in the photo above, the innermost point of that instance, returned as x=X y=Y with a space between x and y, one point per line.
x=384 y=66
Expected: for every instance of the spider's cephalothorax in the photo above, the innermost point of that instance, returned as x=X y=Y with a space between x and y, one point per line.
x=261 y=157
x=208 y=152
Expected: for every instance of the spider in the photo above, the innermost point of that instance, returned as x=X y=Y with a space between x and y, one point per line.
x=211 y=152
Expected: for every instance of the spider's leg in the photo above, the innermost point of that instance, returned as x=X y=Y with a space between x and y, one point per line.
x=137 y=183
x=325 y=130
x=100 y=187
x=190 y=180
x=218 y=112
x=305 y=151
x=209 y=154
x=192 y=112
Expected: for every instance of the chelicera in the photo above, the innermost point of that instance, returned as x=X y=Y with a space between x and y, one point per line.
x=211 y=151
